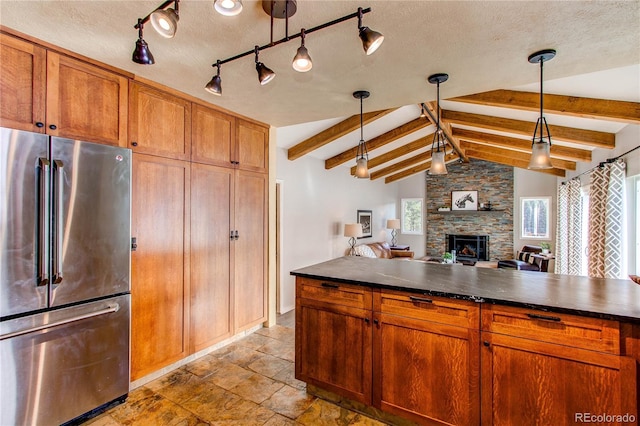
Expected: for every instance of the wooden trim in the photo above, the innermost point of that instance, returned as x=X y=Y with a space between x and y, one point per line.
x=600 y=109
x=509 y=161
x=516 y=155
x=400 y=165
x=419 y=168
x=398 y=152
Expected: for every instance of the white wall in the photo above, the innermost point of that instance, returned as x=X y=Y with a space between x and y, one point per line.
x=413 y=187
x=316 y=203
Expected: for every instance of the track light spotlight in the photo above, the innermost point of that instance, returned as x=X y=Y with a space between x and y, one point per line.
x=265 y=75
x=302 y=61
x=371 y=40
x=141 y=53
x=165 y=21
x=228 y=7
x=215 y=85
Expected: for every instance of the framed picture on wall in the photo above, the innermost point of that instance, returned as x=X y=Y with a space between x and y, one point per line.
x=464 y=200
x=364 y=218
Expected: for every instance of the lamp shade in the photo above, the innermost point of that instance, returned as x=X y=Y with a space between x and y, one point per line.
x=228 y=7
x=362 y=172
x=215 y=86
x=393 y=223
x=438 y=166
x=540 y=156
x=302 y=61
x=353 y=230
x=371 y=40
x=165 y=22
x=142 y=54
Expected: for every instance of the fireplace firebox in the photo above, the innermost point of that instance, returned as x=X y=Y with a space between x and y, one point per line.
x=469 y=247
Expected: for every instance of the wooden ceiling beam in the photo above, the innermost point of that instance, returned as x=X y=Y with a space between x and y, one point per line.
x=446 y=128
x=508 y=161
x=378 y=141
x=557 y=151
x=517 y=155
x=567 y=134
x=401 y=165
x=419 y=168
x=600 y=109
x=334 y=132
x=397 y=153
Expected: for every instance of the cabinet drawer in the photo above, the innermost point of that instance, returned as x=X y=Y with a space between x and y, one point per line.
x=564 y=329
x=431 y=308
x=333 y=292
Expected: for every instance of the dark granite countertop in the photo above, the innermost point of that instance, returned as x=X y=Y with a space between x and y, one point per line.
x=597 y=297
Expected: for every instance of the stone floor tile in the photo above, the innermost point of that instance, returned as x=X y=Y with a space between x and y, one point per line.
x=204 y=366
x=254 y=341
x=268 y=365
x=102 y=420
x=279 y=420
x=362 y=420
x=284 y=350
x=153 y=411
x=288 y=376
x=223 y=407
x=323 y=413
x=230 y=376
x=237 y=354
x=178 y=386
x=277 y=332
x=257 y=388
x=289 y=402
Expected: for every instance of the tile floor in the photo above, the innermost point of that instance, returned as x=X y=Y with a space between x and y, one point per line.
x=249 y=382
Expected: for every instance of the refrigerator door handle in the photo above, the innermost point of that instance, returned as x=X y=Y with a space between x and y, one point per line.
x=43 y=216
x=58 y=181
x=113 y=307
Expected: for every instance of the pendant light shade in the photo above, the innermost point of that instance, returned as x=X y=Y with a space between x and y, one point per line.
x=362 y=156
x=439 y=145
x=371 y=40
x=541 y=142
x=302 y=61
x=228 y=7
x=215 y=85
x=141 y=53
x=165 y=21
x=265 y=74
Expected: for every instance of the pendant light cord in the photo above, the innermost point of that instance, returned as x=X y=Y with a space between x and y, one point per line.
x=361 y=123
x=542 y=103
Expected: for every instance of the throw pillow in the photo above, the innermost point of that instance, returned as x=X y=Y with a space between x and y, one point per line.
x=523 y=256
x=364 y=251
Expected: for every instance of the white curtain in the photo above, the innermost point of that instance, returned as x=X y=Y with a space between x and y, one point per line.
x=606 y=207
x=569 y=229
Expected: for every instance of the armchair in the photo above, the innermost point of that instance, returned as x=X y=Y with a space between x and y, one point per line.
x=528 y=259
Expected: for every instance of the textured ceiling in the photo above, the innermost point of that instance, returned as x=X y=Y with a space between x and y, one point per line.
x=481 y=45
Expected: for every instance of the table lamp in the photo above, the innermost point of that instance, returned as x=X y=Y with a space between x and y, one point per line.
x=352 y=230
x=393 y=224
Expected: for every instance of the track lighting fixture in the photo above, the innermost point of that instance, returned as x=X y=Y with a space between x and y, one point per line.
x=362 y=156
x=438 y=147
x=371 y=40
x=215 y=85
x=165 y=21
x=141 y=53
x=228 y=7
x=541 y=144
x=265 y=74
x=302 y=61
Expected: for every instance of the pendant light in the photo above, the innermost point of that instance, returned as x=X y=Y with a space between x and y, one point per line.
x=265 y=74
x=541 y=144
x=362 y=156
x=302 y=61
x=371 y=40
x=215 y=85
x=228 y=7
x=165 y=21
x=438 y=147
x=141 y=53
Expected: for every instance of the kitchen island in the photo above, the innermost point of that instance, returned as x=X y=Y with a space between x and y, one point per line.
x=443 y=344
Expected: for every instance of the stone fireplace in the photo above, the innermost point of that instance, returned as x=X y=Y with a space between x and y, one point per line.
x=469 y=247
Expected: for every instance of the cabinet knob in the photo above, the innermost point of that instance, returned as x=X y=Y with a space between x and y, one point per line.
x=486 y=343
x=134 y=143
x=39 y=124
x=53 y=126
x=376 y=322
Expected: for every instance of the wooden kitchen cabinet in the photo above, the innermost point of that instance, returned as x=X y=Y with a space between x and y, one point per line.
x=252 y=150
x=334 y=337
x=47 y=92
x=415 y=339
x=212 y=212
x=160 y=264
x=551 y=367
x=159 y=122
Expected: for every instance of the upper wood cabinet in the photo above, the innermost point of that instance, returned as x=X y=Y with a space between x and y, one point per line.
x=159 y=123
x=85 y=102
x=252 y=150
x=23 y=72
x=46 y=92
x=214 y=134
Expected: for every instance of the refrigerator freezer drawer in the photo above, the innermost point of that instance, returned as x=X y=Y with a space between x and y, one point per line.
x=61 y=364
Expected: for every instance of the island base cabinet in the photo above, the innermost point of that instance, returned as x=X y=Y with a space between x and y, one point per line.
x=527 y=382
x=409 y=359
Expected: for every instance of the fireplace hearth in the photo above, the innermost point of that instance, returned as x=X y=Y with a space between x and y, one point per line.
x=469 y=247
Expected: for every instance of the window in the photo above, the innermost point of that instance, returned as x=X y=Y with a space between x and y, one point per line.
x=534 y=217
x=412 y=216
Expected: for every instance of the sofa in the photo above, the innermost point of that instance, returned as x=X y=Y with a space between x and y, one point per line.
x=526 y=261
x=381 y=250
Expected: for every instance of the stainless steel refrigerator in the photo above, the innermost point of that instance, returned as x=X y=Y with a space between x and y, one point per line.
x=65 y=219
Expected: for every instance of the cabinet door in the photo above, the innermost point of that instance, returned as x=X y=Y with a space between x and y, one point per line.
x=214 y=135
x=160 y=264
x=160 y=123
x=530 y=382
x=250 y=250
x=22 y=84
x=333 y=348
x=211 y=223
x=85 y=102
x=426 y=371
x=252 y=150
